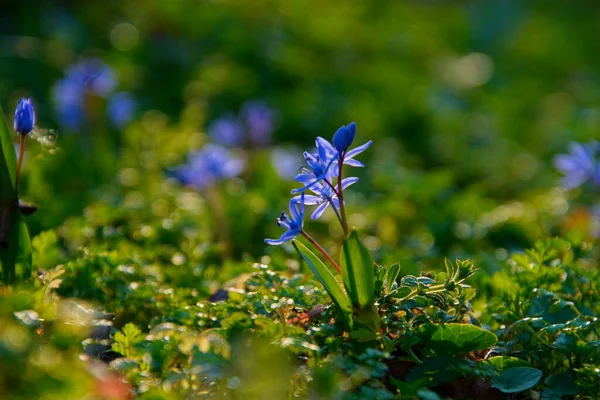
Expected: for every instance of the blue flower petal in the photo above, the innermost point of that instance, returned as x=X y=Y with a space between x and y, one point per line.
x=319 y=210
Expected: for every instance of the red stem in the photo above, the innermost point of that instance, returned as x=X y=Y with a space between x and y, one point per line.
x=341 y=197
x=19 y=162
x=322 y=251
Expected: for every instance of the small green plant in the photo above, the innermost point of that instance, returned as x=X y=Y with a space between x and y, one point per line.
x=14 y=236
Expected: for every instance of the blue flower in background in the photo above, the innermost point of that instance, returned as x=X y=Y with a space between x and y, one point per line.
x=293 y=223
x=286 y=162
x=24 y=117
x=259 y=120
x=255 y=125
x=208 y=166
x=324 y=195
x=580 y=165
x=227 y=131
x=121 y=109
x=90 y=77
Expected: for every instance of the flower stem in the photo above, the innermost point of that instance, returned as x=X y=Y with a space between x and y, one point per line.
x=341 y=197
x=337 y=213
x=322 y=251
x=19 y=162
x=339 y=217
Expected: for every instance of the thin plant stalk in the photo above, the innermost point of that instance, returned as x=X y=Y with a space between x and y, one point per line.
x=322 y=251
x=19 y=163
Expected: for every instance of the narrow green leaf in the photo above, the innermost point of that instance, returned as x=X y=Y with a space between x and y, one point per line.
x=357 y=270
x=326 y=278
x=8 y=163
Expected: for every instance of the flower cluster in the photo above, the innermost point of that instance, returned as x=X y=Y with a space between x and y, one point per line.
x=323 y=176
x=581 y=165
x=90 y=77
x=254 y=125
x=208 y=166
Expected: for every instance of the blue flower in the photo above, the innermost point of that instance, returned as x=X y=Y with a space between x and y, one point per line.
x=326 y=160
x=324 y=196
x=90 y=77
x=319 y=165
x=24 y=117
x=259 y=120
x=208 y=166
x=344 y=136
x=121 y=108
x=579 y=165
x=293 y=223
x=227 y=131
x=348 y=156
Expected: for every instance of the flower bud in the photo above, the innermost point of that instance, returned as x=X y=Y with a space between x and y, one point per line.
x=344 y=137
x=24 y=117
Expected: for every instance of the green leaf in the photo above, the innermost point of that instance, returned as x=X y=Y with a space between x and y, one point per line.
x=452 y=339
x=327 y=279
x=561 y=384
x=391 y=276
x=517 y=379
x=402 y=292
x=8 y=163
x=357 y=271
x=438 y=370
x=503 y=362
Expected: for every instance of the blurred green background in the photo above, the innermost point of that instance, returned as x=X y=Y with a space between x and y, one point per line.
x=466 y=101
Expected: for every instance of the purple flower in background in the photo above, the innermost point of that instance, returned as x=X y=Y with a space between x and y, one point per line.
x=286 y=162
x=227 y=131
x=94 y=76
x=259 y=120
x=120 y=109
x=90 y=77
x=580 y=165
x=255 y=125
x=208 y=166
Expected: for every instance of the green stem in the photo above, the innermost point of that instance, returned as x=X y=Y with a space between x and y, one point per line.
x=322 y=251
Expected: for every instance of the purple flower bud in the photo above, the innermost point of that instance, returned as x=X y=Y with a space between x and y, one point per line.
x=24 y=117
x=343 y=137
